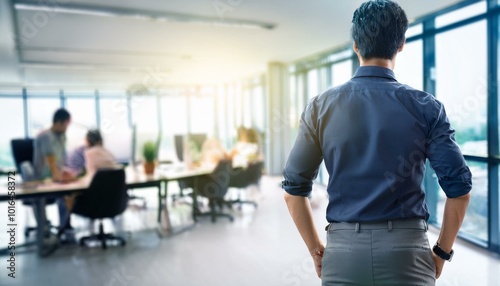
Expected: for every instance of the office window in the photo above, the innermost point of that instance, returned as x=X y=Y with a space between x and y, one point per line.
x=246 y=107
x=461 y=84
x=461 y=14
x=222 y=128
x=40 y=113
x=202 y=115
x=174 y=114
x=145 y=118
x=476 y=219
x=341 y=72
x=312 y=83
x=12 y=118
x=83 y=117
x=174 y=122
x=145 y=113
x=237 y=104
x=232 y=123
x=301 y=96
x=83 y=111
x=114 y=126
x=410 y=65
x=414 y=31
x=259 y=105
x=293 y=112
x=114 y=114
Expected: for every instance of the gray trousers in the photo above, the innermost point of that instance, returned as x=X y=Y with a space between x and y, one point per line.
x=382 y=253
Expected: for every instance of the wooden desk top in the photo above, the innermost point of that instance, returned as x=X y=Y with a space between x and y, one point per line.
x=134 y=176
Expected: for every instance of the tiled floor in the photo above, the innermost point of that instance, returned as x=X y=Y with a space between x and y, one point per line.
x=261 y=247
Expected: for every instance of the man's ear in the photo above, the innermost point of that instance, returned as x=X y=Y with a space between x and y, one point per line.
x=402 y=46
x=355 y=47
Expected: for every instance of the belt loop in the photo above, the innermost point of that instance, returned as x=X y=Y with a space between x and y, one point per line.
x=426 y=225
x=389 y=225
x=357 y=228
x=327 y=227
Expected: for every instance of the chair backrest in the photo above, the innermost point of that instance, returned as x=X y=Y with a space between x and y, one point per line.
x=216 y=184
x=22 y=150
x=255 y=172
x=242 y=178
x=106 y=196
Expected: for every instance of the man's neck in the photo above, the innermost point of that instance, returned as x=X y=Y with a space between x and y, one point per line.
x=56 y=130
x=378 y=62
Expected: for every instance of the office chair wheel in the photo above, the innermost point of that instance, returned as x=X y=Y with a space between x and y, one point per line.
x=82 y=242
x=26 y=233
x=122 y=242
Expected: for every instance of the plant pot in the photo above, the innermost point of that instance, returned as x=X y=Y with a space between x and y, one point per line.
x=149 y=168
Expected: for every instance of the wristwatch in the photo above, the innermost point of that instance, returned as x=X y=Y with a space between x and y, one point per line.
x=441 y=253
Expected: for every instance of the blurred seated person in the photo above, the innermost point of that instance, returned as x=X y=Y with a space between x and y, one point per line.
x=212 y=152
x=95 y=155
x=75 y=162
x=246 y=149
x=210 y=155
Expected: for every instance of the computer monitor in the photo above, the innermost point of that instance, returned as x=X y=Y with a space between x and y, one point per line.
x=121 y=144
x=180 y=142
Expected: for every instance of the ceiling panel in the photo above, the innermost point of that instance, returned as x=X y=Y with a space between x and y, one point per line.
x=192 y=53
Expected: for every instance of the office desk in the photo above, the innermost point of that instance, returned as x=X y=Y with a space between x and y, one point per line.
x=135 y=178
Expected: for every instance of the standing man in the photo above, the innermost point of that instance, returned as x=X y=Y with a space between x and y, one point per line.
x=374 y=135
x=50 y=148
x=49 y=156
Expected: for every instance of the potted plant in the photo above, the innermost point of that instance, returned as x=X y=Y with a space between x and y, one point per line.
x=149 y=154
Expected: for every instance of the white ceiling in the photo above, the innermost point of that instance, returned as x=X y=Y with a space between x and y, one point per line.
x=97 y=51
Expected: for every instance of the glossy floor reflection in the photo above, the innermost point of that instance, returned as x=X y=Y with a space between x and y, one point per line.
x=261 y=247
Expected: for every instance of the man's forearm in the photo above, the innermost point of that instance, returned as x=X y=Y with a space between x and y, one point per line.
x=454 y=212
x=300 y=210
x=51 y=162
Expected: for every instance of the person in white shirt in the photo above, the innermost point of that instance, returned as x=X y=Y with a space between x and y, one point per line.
x=246 y=149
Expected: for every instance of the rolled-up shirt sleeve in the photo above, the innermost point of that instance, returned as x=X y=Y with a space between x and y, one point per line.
x=305 y=157
x=446 y=158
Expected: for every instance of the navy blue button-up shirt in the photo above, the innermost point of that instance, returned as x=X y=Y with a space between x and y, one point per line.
x=375 y=135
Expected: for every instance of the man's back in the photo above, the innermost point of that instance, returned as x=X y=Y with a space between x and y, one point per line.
x=374 y=135
x=368 y=129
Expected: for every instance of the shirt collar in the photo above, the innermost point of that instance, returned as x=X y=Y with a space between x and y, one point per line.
x=375 y=71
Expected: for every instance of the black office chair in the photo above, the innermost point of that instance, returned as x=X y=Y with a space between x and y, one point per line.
x=106 y=197
x=243 y=178
x=22 y=151
x=214 y=188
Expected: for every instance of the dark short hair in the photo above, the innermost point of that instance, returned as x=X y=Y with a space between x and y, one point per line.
x=61 y=115
x=378 y=28
x=94 y=137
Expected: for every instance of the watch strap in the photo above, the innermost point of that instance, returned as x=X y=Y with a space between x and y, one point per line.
x=441 y=253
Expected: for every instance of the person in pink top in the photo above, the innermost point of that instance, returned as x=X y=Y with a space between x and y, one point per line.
x=96 y=156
